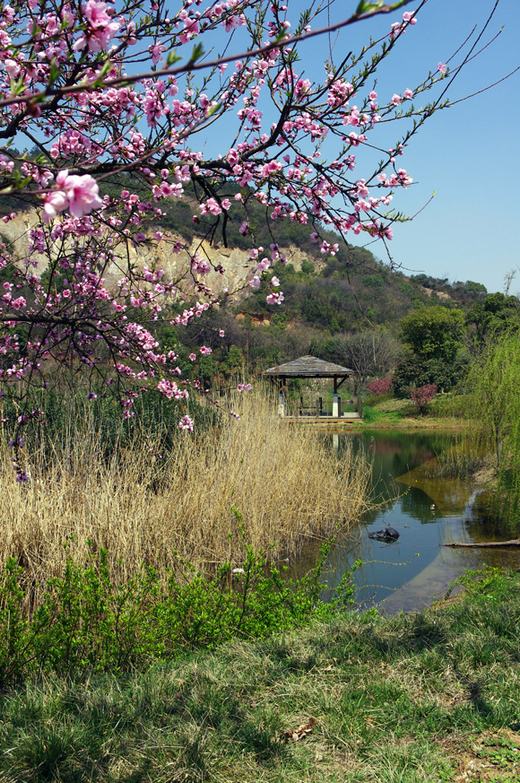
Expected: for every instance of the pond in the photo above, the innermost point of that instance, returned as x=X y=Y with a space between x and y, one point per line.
x=428 y=510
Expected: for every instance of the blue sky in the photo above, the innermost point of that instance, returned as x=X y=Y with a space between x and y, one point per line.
x=469 y=155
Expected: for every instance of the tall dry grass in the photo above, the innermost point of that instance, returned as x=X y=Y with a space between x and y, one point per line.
x=257 y=480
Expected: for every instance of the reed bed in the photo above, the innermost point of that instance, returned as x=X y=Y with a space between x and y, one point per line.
x=256 y=480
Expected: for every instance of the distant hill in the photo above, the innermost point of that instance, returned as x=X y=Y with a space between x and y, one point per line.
x=324 y=296
x=341 y=293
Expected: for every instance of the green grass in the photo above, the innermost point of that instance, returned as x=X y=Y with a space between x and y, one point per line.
x=411 y=699
x=372 y=414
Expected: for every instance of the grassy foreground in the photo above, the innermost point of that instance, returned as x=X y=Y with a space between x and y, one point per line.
x=430 y=697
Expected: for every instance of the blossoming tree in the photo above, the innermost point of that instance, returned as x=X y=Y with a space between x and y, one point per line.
x=106 y=109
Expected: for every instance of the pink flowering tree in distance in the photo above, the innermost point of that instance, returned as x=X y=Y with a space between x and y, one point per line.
x=108 y=110
x=421 y=396
x=380 y=386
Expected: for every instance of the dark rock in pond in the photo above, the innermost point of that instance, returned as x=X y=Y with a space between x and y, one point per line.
x=388 y=535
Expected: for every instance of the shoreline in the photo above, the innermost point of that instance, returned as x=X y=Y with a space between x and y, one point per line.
x=408 y=423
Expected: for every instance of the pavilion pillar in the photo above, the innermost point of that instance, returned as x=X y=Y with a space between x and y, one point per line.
x=336 y=401
x=281 y=400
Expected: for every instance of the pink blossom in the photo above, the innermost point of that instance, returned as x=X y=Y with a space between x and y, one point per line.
x=205 y=350
x=442 y=68
x=192 y=357
x=263 y=265
x=200 y=265
x=210 y=206
x=409 y=18
x=82 y=193
x=96 y=14
x=171 y=390
x=12 y=68
x=101 y=27
x=186 y=423
x=155 y=52
x=268 y=169
x=255 y=282
x=54 y=202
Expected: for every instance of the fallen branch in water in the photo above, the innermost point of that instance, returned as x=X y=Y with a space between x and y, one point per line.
x=512 y=542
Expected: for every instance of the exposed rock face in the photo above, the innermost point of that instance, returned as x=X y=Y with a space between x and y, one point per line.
x=17 y=231
x=235 y=262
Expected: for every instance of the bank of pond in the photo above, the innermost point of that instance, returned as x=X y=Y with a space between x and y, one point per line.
x=410 y=493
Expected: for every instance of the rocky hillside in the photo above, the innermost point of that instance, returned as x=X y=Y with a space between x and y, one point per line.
x=342 y=293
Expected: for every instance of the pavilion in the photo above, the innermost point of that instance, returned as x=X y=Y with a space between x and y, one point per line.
x=310 y=367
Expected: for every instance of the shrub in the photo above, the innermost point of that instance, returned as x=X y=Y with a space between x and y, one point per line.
x=87 y=620
x=494 y=410
x=380 y=386
x=421 y=396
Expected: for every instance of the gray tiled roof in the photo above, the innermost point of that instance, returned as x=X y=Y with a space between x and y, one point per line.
x=308 y=367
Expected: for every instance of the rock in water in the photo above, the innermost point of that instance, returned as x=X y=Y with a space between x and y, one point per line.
x=388 y=534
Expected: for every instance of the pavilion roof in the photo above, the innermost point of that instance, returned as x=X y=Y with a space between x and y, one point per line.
x=308 y=367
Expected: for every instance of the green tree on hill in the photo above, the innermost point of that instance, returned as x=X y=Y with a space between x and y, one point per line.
x=492 y=317
x=434 y=349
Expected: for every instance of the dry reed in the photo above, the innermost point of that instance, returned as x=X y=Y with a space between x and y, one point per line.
x=285 y=481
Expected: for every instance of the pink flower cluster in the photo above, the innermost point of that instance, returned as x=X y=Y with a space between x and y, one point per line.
x=78 y=194
x=100 y=27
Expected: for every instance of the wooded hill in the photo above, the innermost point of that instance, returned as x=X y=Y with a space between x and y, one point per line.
x=326 y=297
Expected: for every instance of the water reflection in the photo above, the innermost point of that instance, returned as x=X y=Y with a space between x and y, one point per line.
x=426 y=510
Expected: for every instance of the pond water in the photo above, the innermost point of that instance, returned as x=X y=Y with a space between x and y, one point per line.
x=427 y=510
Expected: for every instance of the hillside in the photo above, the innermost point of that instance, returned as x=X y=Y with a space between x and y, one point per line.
x=326 y=297
x=346 y=292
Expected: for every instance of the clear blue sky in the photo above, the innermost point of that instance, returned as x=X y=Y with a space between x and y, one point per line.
x=469 y=155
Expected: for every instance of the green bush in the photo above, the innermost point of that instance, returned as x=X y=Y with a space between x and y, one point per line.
x=86 y=622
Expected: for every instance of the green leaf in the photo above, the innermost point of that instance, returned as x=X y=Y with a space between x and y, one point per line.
x=105 y=69
x=54 y=72
x=367 y=7
x=172 y=58
x=213 y=109
x=372 y=6
x=17 y=86
x=197 y=53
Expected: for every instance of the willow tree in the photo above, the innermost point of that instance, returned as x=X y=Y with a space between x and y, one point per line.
x=494 y=383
